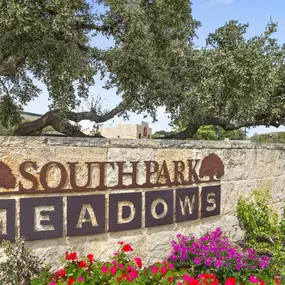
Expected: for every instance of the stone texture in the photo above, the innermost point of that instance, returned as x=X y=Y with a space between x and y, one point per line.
x=247 y=166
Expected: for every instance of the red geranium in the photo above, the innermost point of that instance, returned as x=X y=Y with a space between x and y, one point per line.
x=61 y=273
x=138 y=262
x=82 y=264
x=127 y=248
x=231 y=281
x=70 y=281
x=71 y=256
x=90 y=257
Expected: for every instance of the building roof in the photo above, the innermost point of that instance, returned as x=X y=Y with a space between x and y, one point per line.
x=30 y=114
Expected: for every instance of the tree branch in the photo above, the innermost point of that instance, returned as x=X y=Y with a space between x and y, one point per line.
x=51 y=118
x=227 y=125
x=61 y=121
x=93 y=116
x=9 y=66
x=91 y=26
x=189 y=132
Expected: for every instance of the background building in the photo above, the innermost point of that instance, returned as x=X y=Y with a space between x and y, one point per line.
x=142 y=131
x=30 y=116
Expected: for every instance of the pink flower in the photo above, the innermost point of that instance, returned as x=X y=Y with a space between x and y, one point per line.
x=120 y=265
x=104 y=269
x=113 y=270
x=52 y=283
x=253 y=279
x=171 y=266
x=154 y=269
x=138 y=262
x=80 y=279
x=133 y=274
x=163 y=270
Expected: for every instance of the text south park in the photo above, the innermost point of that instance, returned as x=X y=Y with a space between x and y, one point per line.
x=154 y=174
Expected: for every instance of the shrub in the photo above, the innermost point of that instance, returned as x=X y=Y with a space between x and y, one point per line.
x=213 y=253
x=21 y=264
x=262 y=229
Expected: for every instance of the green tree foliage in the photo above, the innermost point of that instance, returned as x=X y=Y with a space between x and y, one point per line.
x=207 y=132
x=235 y=82
x=278 y=137
x=210 y=132
x=56 y=42
x=231 y=82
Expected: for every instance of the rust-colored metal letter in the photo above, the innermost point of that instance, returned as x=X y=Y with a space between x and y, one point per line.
x=192 y=171
x=165 y=174
x=44 y=172
x=28 y=176
x=149 y=172
x=179 y=167
x=102 y=170
x=72 y=167
x=121 y=174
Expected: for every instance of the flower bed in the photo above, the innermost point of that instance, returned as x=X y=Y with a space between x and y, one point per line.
x=214 y=253
x=125 y=268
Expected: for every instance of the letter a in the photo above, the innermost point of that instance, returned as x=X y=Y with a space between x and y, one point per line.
x=87 y=215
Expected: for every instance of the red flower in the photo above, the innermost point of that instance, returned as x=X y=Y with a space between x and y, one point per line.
x=138 y=262
x=120 y=242
x=61 y=273
x=277 y=281
x=71 y=256
x=70 y=281
x=127 y=248
x=90 y=257
x=82 y=264
x=231 y=281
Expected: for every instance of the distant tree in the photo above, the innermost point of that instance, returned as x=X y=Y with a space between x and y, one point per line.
x=278 y=137
x=161 y=134
x=210 y=132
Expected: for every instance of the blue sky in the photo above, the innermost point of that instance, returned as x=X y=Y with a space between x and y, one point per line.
x=212 y=14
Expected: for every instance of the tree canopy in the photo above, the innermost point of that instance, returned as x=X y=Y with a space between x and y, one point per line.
x=207 y=132
x=232 y=82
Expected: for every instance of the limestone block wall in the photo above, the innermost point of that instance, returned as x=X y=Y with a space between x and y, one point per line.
x=246 y=166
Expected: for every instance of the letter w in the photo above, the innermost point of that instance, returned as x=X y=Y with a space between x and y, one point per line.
x=187 y=203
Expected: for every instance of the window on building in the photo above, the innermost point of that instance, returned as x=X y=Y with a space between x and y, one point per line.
x=140 y=135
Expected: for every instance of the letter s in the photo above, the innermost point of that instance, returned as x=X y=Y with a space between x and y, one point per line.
x=28 y=176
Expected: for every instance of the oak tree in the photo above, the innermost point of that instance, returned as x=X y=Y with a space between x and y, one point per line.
x=232 y=82
x=56 y=42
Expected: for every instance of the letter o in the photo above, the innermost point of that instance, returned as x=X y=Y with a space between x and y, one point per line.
x=154 y=205
x=44 y=172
